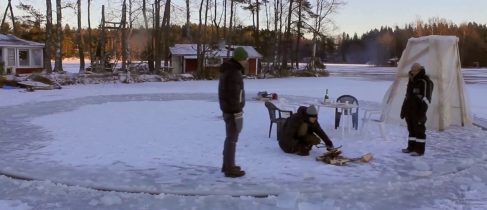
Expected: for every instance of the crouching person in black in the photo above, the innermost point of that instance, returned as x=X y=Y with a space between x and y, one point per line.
x=301 y=131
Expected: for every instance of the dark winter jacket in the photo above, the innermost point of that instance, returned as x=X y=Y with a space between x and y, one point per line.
x=289 y=139
x=231 y=92
x=414 y=105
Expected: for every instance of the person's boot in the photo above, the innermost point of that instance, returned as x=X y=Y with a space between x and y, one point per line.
x=419 y=148
x=304 y=150
x=411 y=145
x=233 y=172
x=303 y=153
x=229 y=168
x=223 y=167
x=228 y=152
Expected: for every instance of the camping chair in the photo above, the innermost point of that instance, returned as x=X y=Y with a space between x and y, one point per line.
x=341 y=111
x=275 y=114
x=374 y=116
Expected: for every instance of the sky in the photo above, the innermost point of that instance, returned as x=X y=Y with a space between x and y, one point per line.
x=360 y=16
x=357 y=16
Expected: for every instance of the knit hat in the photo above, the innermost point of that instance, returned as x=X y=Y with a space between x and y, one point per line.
x=312 y=111
x=415 y=69
x=239 y=54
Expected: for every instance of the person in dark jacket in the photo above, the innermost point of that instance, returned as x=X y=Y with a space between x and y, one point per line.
x=414 y=110
x=231 y=96
x=301 y=131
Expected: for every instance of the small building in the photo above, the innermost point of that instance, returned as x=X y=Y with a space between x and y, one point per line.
x=184 y=58
x=20 y=56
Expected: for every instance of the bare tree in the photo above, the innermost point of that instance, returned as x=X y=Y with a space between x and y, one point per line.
x=225 y=19
x=58 y=61
x=166 y=27
x=90 y=35
x=149 y=50
x=230 y=26
x=304 y=11
x=278 y=34
x=124 y=36
x=288 y=44
x=100 y=54
x=157 y=35
x=31 y=15
x=324 y=8
x=257 y=36
x=277 y=15
x=267 y=11
x=298 y=32
x=188 y=23
x=253 y=8
x=47 y=43
x=9 y=6
x=80 y=42
x=216 y=22
x=199 y=47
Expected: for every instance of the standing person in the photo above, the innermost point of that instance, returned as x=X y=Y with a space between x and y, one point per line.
x=301 y=131
x=231 y=96
x=414 y=108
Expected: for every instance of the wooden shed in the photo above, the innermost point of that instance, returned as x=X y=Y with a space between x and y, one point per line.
x=184 y=58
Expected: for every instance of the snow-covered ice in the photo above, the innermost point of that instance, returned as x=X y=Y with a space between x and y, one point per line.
x=163 y=141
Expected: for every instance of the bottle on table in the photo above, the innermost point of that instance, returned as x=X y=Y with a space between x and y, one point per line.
x=326 y=99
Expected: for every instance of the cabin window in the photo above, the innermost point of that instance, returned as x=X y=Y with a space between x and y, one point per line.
x=11 y=57
x=36 y=57
x=24 y=58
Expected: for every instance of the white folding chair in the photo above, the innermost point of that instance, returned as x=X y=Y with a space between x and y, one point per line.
x=375 y=116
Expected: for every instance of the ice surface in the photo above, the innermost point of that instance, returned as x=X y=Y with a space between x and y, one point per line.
x=421 y=165
x=167 y=138
x=287 y=200
x=14 y=205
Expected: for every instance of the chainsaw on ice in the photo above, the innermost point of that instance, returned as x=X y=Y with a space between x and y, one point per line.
x=334 y=157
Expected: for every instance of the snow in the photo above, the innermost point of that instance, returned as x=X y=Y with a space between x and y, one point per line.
x=13 y=205
x=165 y=139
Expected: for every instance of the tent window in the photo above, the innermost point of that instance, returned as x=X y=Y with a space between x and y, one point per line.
x=24 y=58
x=36 y=57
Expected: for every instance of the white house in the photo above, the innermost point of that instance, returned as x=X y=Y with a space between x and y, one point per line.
x=19 y=55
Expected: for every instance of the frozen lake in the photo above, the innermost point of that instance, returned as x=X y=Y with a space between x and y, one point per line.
x=166 y=139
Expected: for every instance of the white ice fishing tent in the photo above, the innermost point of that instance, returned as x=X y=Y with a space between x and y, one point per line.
x=440 y=57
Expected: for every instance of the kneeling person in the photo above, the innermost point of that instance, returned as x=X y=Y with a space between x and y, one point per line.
x=301 y=131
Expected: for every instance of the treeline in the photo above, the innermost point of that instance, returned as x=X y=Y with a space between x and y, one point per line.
x=145 y=29
x=379 y=46
x=287 y=38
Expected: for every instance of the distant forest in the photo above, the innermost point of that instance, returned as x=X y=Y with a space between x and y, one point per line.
x=378 y=46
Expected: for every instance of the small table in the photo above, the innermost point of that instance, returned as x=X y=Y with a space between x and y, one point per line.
x=343 y=107
x=338 y=105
